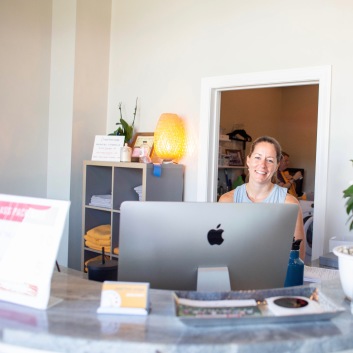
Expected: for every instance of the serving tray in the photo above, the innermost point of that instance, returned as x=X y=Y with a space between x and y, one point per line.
x=253 y=307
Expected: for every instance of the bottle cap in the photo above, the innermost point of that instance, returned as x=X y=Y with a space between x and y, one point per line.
x=296 y=244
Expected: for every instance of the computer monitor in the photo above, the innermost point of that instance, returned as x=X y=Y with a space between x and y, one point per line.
x=205 y=246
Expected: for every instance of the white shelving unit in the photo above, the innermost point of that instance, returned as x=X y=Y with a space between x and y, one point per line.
x=224 y=169
x=119 y=181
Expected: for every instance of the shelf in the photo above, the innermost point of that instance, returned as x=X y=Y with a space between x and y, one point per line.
x=119 y=180
x=99 y=208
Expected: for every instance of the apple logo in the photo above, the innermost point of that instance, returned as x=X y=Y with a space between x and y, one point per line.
x=214 y=236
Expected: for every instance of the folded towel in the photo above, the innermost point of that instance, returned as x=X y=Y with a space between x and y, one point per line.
x=98 y=237
x=138 y=190
x=97 y=247
x=104 y=242
x=104 y=201
x=116 y=251
x=100 y=232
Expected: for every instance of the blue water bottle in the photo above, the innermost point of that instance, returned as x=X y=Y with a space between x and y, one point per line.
x=295 y=271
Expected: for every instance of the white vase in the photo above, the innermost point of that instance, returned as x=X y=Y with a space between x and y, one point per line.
x=345 y=266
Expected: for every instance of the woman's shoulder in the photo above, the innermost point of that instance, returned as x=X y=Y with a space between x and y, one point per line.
x=227 y=197
x=291 y=199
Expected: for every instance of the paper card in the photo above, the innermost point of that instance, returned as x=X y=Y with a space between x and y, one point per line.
x=124 y=298
x=30 y=235
x=107 y=148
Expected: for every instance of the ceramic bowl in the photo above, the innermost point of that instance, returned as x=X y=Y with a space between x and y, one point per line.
x=345 y=266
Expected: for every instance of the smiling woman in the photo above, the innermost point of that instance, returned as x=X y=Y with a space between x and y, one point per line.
x=263 y=161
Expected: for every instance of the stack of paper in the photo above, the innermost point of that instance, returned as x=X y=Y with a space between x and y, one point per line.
x=138 y=189
x=104 y=201
x=318 y=274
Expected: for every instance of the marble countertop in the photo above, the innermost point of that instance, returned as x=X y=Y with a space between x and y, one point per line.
x=73 y=326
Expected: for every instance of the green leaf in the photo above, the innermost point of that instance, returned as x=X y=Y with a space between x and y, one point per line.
x=128 y=130
x=124 y=123
x=350 y=218
x=125 y=129
x=349 y=204
x=119 y=131
x=348 y=192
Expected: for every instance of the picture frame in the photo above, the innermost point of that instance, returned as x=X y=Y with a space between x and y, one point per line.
x=235 y=158
x=139 y=138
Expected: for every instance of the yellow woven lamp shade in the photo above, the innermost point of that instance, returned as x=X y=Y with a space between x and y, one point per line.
x=169 y=137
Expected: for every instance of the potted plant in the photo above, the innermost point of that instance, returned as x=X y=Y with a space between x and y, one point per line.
x=124 y=128
x=348 y=193
x=345 y=253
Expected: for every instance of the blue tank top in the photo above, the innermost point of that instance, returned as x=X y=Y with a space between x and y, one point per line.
x=277 y=195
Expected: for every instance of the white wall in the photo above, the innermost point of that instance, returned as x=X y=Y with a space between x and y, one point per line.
x=34 y=92
x=160 y=51
x=25 y=32
x=61 y=108
x=90 y=103
x=54 y=67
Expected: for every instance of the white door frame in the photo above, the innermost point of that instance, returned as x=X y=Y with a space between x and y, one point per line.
x=211 y=88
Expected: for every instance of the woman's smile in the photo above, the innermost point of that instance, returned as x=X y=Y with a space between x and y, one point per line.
x=260 y=172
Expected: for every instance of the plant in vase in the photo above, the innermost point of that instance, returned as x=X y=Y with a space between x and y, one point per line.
x=124 y=128
x=348 y=193
x=345 y=253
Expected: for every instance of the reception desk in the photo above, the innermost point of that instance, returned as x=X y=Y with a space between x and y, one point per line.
x=72 y=325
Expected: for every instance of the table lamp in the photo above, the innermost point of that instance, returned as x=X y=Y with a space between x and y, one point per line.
x=169 y=138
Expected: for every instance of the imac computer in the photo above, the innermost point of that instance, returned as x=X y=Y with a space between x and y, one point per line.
x=205 y=246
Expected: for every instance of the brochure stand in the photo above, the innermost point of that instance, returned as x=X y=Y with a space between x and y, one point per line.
x=30 y=234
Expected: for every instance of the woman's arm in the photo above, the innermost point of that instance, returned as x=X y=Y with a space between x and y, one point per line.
x=227 y=197
x=299 y=227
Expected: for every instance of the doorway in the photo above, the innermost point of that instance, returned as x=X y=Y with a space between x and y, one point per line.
x=288 y=114
x=211 y=90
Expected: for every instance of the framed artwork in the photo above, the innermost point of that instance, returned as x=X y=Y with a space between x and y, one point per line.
x=235 y=158
x=139 y=139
